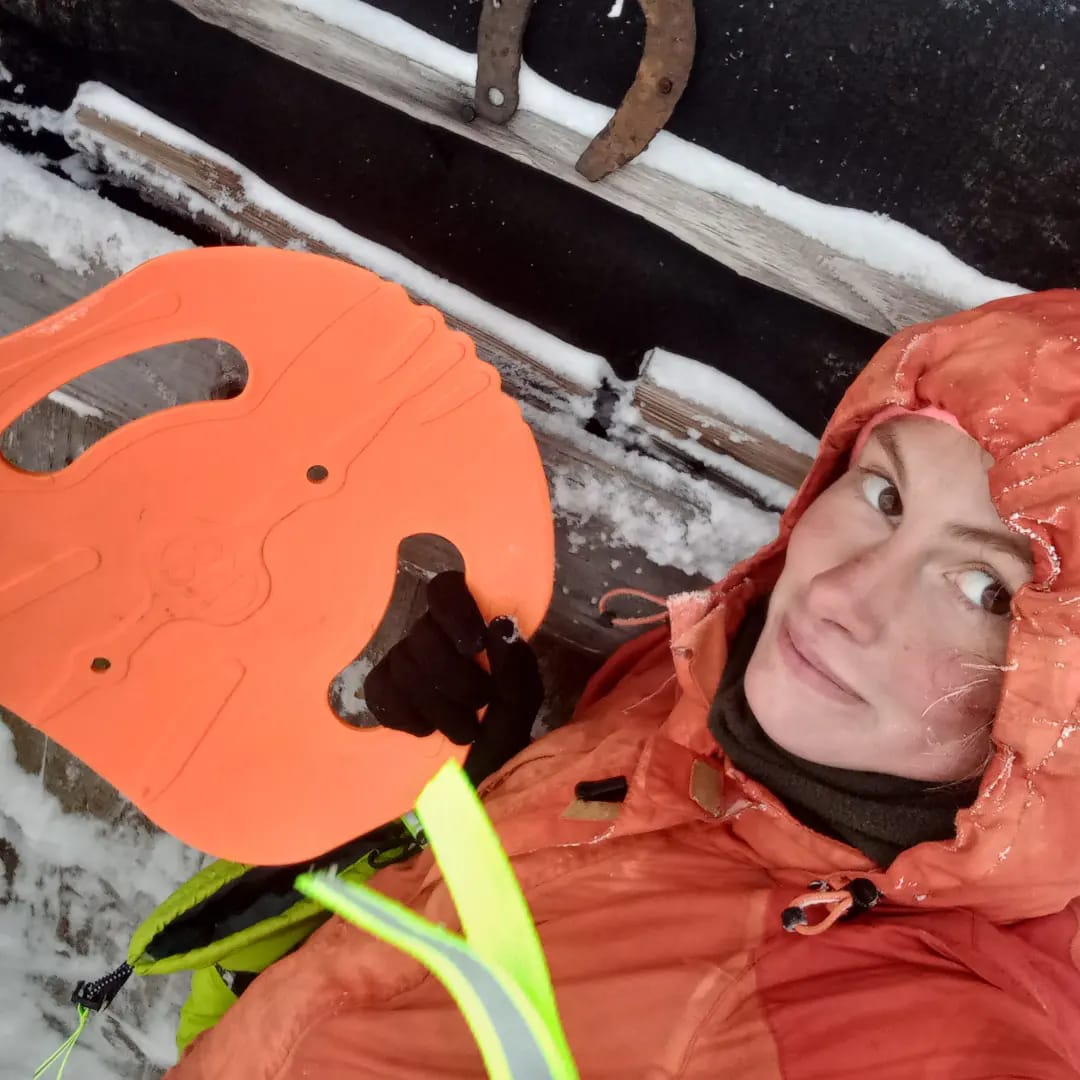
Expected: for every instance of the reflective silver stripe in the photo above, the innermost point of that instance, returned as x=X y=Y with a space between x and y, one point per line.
x=524 y=1054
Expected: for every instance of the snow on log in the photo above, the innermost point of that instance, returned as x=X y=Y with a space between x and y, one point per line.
x=875 y=271
x=696 y=403
x=201 y=181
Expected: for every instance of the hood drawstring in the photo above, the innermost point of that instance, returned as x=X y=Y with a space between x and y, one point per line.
x=848 y=901
x=643 y=620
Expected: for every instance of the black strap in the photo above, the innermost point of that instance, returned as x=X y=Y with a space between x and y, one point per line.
x=260 y=893
x=263 y=892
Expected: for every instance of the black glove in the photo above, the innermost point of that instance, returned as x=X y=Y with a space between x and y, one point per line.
x=430 y=680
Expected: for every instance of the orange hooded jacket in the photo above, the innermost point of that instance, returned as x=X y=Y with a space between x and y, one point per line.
x=661 y=917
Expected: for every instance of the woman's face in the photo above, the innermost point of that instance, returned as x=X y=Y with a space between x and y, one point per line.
x=886 y=632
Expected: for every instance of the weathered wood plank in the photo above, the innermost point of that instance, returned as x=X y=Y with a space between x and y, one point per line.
x=49 y=436
x=687 y=419
x=742 y=237
x=239 y=216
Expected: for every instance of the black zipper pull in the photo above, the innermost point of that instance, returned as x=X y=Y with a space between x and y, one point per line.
x=98 y=995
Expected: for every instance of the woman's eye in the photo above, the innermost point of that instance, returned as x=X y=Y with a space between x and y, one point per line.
x=985 y=591
x=882 y=495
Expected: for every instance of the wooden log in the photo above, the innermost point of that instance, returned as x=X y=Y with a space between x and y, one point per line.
x=687 y=419
x=740 y=236
x=161 y=165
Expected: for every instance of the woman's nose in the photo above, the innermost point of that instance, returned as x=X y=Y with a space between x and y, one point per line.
x=860 y=594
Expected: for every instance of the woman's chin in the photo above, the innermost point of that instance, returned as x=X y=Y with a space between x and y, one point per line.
x=810 y=726
x=804 y=740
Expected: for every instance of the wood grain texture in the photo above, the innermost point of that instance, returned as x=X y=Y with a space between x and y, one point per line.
x=239 y=216
x=741 y=237
x=680 y=417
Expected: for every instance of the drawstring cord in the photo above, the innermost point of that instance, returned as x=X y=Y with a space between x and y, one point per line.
x=797 y=921
x=63 y=1051
x=88 y=998
x=848 y=901
x=642 y=620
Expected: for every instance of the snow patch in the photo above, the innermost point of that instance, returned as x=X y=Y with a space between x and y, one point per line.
x=703 y=530
x=76 y=888
x=727 y=397
x=77 y=229
x=74 y=167
x=80 y=408
x=33 y=118
x=347 y=690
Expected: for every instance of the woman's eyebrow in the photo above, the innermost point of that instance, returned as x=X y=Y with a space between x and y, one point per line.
x=1007 y=544
x=889 y=443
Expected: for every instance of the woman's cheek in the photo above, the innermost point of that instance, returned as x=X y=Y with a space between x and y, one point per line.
x=958 y=698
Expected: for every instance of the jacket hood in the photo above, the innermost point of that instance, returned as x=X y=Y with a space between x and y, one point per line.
x=1010 y=373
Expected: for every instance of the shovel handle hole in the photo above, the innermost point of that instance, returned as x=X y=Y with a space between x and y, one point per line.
x=100 y=664
x=316 y=474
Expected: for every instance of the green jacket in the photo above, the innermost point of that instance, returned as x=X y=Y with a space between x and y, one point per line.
x=231 y=921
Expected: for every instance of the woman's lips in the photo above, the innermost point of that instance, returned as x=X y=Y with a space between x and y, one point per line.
x=809 y=668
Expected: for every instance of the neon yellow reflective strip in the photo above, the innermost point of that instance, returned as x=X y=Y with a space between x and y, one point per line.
x=494 y=916
x=513 y=1040
x=497 y=974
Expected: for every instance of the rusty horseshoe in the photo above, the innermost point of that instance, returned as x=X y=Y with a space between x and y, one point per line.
x=662 y=75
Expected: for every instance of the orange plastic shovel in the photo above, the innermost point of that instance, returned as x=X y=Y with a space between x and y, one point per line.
x=175 y=603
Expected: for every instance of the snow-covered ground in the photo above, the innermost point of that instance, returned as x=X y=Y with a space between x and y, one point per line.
x=72 y=891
